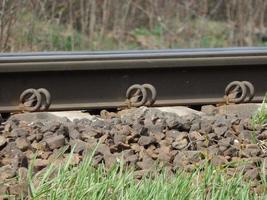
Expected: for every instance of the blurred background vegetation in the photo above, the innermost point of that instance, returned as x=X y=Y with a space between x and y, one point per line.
x=65 y=25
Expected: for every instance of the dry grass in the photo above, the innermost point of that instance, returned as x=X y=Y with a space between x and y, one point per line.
x=132 y=24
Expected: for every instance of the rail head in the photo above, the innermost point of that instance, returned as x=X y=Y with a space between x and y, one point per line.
x=68 y=61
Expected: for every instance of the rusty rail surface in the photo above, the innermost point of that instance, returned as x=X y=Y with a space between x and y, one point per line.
x=89 y=80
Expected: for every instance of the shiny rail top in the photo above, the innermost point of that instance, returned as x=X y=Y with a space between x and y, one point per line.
x=17 y=62
x=164 y=53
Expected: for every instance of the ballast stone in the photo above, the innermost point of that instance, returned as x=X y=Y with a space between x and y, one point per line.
x=72 y=115
x=3 y=141
x=44 y=117
x=242 y=110
x=180 y=111
x=55 y=142
x=7 y=172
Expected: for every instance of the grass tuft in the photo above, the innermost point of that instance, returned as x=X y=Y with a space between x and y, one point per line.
x=87 y=182
x=260 y=117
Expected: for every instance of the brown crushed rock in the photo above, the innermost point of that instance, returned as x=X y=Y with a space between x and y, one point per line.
x=143 y=139
x=3 y=141
x=22 y=143
x=55 y=141
x=7 y=172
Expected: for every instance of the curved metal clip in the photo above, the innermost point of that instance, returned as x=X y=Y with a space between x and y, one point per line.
x=34 y=100
x=140 y=95
x=239 y=92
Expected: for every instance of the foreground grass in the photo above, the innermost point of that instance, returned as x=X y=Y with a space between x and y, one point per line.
x=261 y=116
x=87 y=182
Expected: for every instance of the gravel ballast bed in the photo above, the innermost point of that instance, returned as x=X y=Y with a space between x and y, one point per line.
x=144 y=139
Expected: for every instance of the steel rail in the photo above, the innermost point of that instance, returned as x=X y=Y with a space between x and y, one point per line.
x=86 y=80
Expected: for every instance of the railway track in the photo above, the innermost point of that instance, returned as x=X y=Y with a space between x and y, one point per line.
x=143 y=139
x=92 y=80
